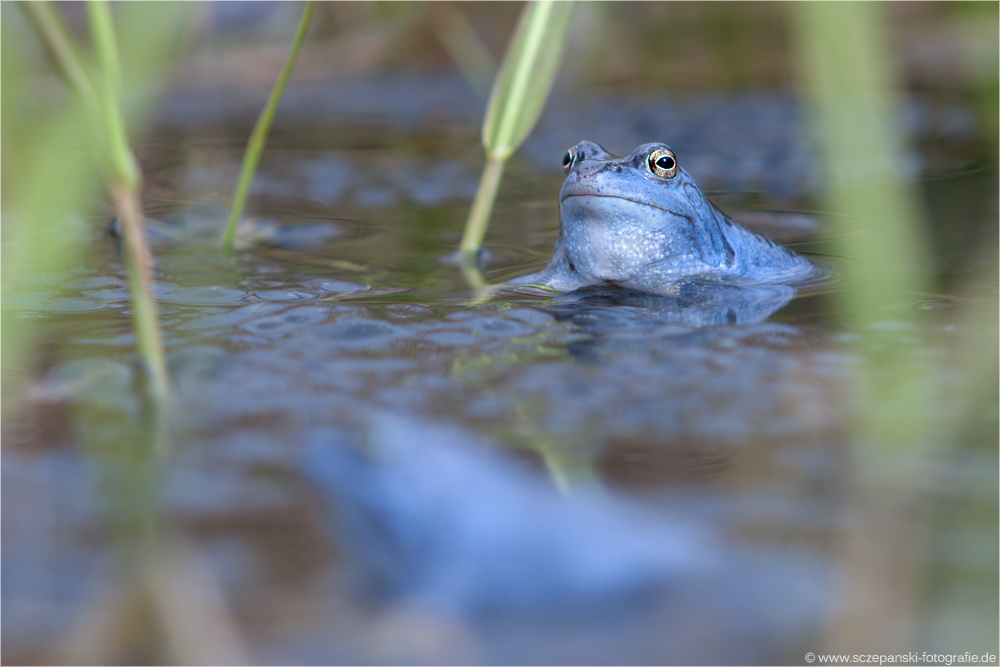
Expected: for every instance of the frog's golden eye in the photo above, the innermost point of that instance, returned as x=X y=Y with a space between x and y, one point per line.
x=663 y=163
x=569 y=160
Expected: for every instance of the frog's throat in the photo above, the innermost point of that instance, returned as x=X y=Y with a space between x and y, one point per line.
x=628 y=199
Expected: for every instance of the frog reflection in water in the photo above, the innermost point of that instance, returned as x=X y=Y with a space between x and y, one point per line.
x=641 y=223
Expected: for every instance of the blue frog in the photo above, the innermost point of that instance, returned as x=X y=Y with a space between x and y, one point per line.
x=641 y=223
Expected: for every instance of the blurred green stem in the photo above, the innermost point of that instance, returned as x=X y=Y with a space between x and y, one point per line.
x=103 y=108
x=854 y=94
x=140 y=274
x=123 y=163
x=849 y=79
x=258 y=138
x=125 y=185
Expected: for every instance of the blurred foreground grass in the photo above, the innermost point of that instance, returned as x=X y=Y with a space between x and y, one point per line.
x=850 y=77
x=60 y=148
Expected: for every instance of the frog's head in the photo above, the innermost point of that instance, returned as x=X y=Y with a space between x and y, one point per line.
x=621 y=215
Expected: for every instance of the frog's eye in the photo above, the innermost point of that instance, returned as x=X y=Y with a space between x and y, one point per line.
x=663 y=163
x=569 y=160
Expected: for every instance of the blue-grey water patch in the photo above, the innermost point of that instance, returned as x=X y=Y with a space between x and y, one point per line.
x=199 y=295
x=288 y=320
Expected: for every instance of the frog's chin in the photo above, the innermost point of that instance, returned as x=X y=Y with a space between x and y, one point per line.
x=613 y=238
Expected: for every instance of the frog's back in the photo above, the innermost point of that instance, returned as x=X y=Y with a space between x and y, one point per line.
x=758 y=259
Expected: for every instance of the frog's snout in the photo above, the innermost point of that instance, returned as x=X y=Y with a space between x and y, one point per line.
x=610 y=166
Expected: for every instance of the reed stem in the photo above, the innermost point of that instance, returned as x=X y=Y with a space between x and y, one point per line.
x=258 y=138
x=102 y=105
x=482 y=205
x=140 y=273
x=519 y=92
x=122 y=162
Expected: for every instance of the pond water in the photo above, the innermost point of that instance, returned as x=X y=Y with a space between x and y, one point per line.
x=366 y=464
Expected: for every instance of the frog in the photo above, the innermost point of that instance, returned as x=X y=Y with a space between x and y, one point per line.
x=642 y=223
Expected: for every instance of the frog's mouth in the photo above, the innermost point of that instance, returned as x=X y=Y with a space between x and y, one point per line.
x=638 y=202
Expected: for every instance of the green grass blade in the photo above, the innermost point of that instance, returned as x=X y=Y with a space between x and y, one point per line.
x=145 y=321
x=518 y=96
x=102 y=107
x=526 y=75
x=258 y=138
x=125 y=194
x=854 y=95
x=849 y=79
x=122 y=161
x=479 y=214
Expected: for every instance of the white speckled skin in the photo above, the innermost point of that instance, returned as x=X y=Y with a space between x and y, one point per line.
x=621 y=223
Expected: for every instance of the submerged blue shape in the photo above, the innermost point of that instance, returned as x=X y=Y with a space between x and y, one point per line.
x=434 y=514
x=288 y=320
x=689 y=304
